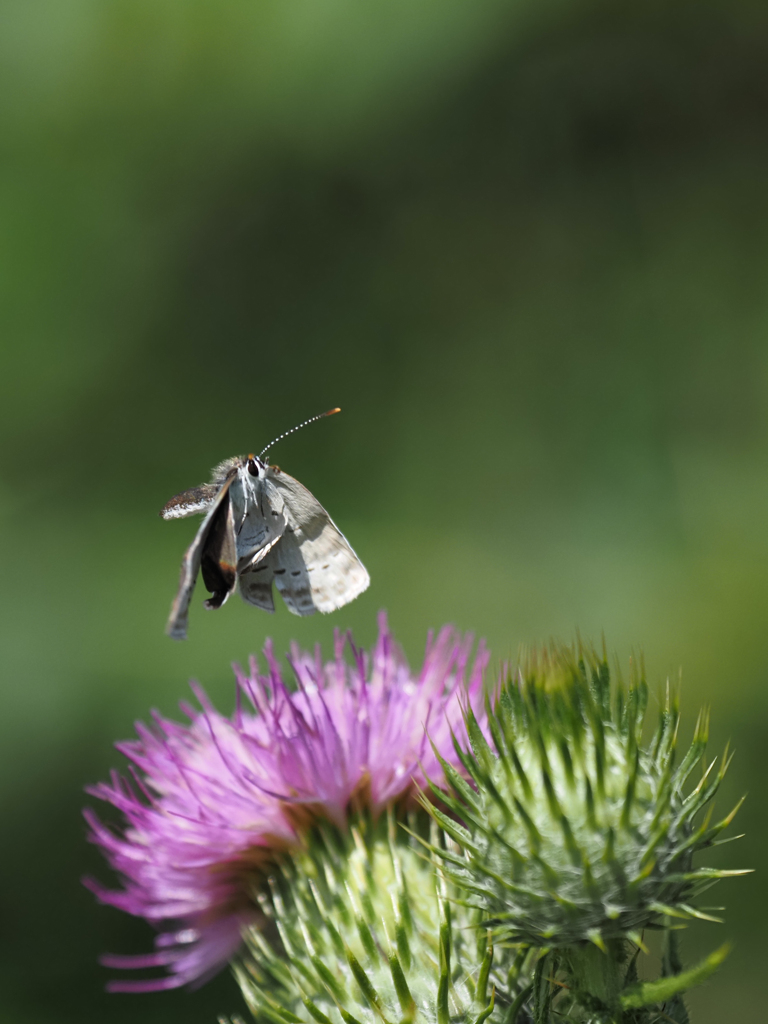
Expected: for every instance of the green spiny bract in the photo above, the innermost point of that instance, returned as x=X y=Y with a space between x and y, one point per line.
x=573 y=830
x=364 y=930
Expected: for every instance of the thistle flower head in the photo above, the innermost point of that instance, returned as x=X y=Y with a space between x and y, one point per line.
x=365 y=931
x=574 y=829
x=210 y=804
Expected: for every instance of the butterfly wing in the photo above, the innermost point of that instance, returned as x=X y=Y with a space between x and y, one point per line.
x=190 y=566
x=291 y=574
x=219 y=553
x=191 y=502
x=314 y=566
x=259 y=518
x=256 y=585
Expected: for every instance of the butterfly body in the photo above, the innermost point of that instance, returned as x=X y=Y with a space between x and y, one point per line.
x=261 y=527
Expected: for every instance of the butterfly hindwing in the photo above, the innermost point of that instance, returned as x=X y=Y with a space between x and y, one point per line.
x=256 y=585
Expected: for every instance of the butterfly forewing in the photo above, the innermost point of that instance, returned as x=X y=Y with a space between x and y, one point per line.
x=259 y=520
x=190 y=503
x=312 y=542
x=291 y=575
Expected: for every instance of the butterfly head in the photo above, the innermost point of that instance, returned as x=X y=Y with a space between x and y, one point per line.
x=256 y=467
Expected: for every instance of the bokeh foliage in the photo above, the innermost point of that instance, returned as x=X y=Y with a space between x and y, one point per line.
x=522 y=245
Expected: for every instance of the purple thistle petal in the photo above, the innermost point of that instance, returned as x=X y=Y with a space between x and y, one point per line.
x=215 y=800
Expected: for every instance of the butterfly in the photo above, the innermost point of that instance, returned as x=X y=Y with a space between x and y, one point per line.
x=262 y=526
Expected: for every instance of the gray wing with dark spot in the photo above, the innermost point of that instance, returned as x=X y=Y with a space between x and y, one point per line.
x=292 y=576
x=256 y=585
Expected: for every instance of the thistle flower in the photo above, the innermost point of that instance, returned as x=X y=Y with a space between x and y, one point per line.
x=574 y=835
x=211 y=804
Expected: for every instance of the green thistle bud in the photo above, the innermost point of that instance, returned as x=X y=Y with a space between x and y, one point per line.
x=364 y=930
x=576 y=830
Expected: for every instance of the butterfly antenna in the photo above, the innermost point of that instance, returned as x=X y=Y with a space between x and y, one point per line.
x=322 y=415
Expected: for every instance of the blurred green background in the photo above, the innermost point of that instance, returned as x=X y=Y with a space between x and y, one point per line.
x=523 y=244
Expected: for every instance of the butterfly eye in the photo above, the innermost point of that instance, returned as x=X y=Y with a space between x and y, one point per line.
x=253 y=465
